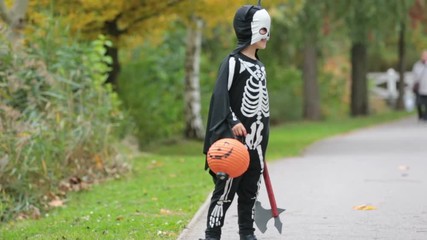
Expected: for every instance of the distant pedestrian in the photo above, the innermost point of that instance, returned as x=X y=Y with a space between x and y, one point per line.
x=420 y=85
x=239 y=108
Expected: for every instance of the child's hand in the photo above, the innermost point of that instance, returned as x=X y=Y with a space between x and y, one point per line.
x=239 y=130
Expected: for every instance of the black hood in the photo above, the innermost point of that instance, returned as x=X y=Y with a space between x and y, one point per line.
x=242 y=26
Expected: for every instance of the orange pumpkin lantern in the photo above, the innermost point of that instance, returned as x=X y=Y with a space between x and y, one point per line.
x=228 y=157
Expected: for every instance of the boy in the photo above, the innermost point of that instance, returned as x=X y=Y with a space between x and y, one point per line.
x=239 y=108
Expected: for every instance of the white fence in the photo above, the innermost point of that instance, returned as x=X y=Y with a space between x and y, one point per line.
x=385 y=87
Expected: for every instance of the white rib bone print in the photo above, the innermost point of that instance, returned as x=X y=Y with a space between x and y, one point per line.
x=255 y=96
x=255 y=102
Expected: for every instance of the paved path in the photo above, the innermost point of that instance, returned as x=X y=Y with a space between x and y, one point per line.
x=383 y=166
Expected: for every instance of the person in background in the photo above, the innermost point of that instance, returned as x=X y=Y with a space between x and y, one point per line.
x=420 y=85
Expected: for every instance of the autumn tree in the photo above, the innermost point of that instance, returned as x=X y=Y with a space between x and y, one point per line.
x=310 y=23
x=125 y=23
x=192 y=104
x=358 y=22
x=418 y=14
x=363 y=19
x=400 y=10
x=418 y=24
x=367 y=20
x=299 y=28
x=195 y=16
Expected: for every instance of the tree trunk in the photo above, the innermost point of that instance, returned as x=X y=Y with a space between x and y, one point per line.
x=111 y=29
x=15 y=19
x=401 y=66
x=193 y=120
x=359 y=86
x=311 y=88
x=113 y=75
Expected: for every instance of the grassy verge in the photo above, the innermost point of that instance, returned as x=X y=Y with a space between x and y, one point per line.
x=164 y=190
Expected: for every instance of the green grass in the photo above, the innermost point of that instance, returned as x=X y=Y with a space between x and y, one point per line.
x=164 y=190
x=154 y=202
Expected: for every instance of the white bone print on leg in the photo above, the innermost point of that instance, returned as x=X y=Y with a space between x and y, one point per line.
x=218 y=212
x=216 y=215
x=254 y=137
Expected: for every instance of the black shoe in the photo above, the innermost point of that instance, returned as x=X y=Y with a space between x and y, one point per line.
x=209 y=238
x=248 y=237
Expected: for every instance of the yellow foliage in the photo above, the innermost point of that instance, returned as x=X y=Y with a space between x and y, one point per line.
x=129 y=22
x=419 y=38
x=218 y=12
x=118 y=20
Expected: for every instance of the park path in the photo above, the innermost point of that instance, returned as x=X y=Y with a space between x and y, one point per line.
x=383 y=166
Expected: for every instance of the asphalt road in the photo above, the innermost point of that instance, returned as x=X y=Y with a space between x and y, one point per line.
x=382 y=167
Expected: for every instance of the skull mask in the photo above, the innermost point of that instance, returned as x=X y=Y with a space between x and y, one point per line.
x=251 y=24
x=260 y=21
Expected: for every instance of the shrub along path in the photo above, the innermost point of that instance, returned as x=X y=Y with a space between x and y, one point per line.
x=166 y=187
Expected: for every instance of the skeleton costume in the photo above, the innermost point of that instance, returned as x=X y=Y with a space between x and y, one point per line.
x=240 y=96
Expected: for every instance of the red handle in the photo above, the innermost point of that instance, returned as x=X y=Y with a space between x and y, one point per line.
x=270 y=193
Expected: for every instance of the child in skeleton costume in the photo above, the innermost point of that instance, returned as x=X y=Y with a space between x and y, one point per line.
x=239 y=108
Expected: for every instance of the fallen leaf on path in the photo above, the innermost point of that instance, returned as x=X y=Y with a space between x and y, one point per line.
x=403 y=168
x=364 y=207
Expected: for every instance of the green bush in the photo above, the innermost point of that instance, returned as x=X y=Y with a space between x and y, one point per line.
x=285 y=92
x=333 y=96
x=151 y=86
x=57 y=120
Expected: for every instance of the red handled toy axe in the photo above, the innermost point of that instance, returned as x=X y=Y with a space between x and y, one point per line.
x=262 y=216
